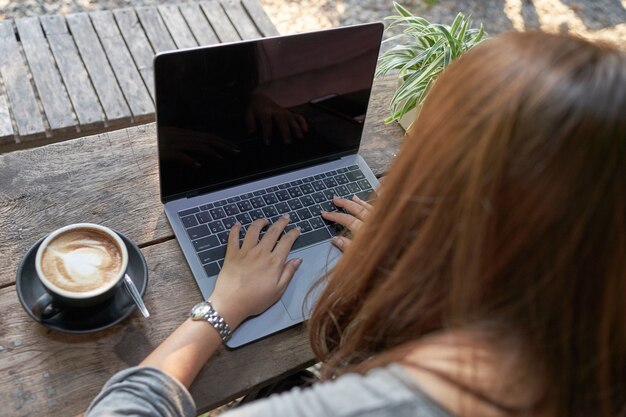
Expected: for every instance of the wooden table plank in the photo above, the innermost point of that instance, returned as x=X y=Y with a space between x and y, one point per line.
x=100 y=72
x=177 y=26
x=219 y=21
x=52 y=93
x=243 y=24
x=198 y=24
x=33 y=356
x=155 y=29
x=28 y=118
x=138 y=44
x=81 y=92
x=6 y=125
x=133 y=87
x=261 y=18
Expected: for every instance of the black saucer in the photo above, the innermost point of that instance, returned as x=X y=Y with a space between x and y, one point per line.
x=82 y=320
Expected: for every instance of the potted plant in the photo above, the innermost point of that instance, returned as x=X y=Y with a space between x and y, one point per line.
x=426 y=49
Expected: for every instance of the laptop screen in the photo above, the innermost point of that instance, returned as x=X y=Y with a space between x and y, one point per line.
x=232 y=113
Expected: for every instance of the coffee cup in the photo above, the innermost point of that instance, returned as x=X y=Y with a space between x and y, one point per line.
x=79 y=265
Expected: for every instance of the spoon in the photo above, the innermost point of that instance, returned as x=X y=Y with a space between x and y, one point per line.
x=134 y=293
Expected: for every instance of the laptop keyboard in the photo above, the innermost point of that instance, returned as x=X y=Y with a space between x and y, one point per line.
x=208 y=225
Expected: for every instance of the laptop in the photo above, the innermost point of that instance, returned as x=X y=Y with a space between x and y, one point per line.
x=256 y=129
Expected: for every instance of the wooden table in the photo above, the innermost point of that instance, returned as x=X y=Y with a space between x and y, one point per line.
x=68 y=76
x=111 y=179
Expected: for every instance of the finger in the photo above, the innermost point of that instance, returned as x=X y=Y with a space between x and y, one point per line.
x=233 y=240
x=365 y=204
x=286 y=242
x=295 y=127
x=252 y=234
x=283 y=127
x=274 y=232
x=302 y=122
x=357 y=210
x=341 y=242
x=288 y=272
x=343 y=219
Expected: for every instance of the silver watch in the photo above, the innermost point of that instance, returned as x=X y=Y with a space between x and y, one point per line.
x=205 y=311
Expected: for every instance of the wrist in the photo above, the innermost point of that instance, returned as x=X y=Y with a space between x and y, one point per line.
x=231 y=315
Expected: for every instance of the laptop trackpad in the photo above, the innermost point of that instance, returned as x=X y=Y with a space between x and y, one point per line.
x=317 y=260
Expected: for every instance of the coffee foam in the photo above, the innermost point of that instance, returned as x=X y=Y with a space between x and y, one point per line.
x=81 y=260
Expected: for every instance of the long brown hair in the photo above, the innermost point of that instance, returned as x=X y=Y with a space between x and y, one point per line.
x=506 y=209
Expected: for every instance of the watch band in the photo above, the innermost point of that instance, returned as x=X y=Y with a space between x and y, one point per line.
x=205 y=311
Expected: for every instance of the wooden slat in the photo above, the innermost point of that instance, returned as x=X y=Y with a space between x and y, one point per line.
x=132 y=84
x=243 y=24
x=52 y=93
x=181 y=33
x=75 y=77
x=198 y=24
x=155 y=29
x=219 y=21
x=28 y=117
x=6 y=126
x=100 y=72
x=261 y=18
x=138 y=44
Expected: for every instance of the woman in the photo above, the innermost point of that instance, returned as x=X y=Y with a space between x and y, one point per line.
x=497 y=281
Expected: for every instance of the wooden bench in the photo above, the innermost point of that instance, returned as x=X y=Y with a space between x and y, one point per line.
x=68 y=76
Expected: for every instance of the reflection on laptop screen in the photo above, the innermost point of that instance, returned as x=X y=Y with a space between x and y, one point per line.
x=235 y=112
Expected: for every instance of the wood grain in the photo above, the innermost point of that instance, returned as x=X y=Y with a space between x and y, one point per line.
x=261 y=18
x=177 y=26
x=244 y=25
x=100 y=72
x=82 y=95
x=52 y=93
x=44 y=372
x=138 y=45
x=219 y=21
x=6 y=125
x=198 y=24
x=126 y=72
x=28 y=118
x=155 y=29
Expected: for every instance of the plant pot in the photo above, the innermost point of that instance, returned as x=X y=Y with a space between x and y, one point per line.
x=408 y=118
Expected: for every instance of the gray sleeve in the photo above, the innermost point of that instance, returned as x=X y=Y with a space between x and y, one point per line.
x=142 y=391
x=381 y=393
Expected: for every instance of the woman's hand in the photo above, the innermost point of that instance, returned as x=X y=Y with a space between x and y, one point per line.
x=357 y=209
x=256 y=274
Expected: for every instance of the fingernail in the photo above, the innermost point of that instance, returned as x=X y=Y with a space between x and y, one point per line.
x=355 y=198
x=337 y=241
x=286 y=216
x=237 y=223
x=299 y=229
x=298 y=262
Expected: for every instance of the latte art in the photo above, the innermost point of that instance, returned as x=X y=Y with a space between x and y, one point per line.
x=81 y=260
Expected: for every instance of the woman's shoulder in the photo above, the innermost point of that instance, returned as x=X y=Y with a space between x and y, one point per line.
x=474 y=375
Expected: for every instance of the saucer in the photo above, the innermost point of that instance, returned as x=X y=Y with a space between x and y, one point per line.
x=83 y=320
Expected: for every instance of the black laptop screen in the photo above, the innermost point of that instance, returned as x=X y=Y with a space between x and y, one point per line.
x=236 y=112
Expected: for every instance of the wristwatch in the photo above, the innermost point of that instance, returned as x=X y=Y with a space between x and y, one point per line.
x=205 y=311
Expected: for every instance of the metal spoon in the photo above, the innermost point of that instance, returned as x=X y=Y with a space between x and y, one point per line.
x=134 y=293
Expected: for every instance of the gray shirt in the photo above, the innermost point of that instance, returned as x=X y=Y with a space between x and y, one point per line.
x=383 y=392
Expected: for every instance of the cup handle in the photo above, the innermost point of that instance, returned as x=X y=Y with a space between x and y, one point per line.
x=45 y=308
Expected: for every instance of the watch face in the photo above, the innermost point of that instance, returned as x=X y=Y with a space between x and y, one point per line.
x=200 y=309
